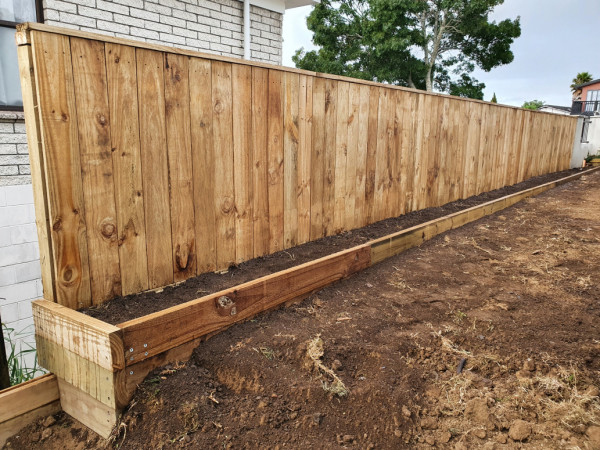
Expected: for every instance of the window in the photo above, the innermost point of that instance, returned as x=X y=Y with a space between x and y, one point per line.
x=592 y=101
x=13 y=12
x=584 y=130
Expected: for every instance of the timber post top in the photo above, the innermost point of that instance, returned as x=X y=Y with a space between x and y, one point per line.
x=22 y=37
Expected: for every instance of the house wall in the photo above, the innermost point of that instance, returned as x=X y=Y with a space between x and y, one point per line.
x=20 y=279
x=213 y=26
x=591 y=87
x=592 y=146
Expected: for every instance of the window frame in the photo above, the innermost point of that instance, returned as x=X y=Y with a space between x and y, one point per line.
x=39 y=15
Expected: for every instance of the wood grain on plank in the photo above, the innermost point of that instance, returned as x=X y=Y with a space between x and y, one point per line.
x=291 y=138
x=305 y=111
x=371 y=163
x=260 y=197
x=89 y=411
x=181 y=175
x=223 y=153
x=360 y=213
x=127 y=166
x=329 y=157
x=317 y=162
x=85 y=336
x=275 y=161
x=27 y=396
x=352 y=156
x=381 y=157
x=60 y=140
x=37 y=164
x=94 y=126
x=201 y=116
x=155 y=174
x=242 y=161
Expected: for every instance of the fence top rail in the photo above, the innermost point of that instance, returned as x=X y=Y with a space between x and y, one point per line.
x=23 y=38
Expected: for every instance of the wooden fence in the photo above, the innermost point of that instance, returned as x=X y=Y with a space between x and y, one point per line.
x=152 y=164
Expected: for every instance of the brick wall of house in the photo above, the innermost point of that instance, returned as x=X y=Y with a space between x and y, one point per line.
x=14 y=158
x=213 y=26
x=20 y=272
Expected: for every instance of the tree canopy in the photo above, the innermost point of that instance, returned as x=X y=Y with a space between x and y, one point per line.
x=581 y=78
x=533 y=104
x=415 y=43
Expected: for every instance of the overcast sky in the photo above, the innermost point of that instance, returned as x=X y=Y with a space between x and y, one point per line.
x=559 y=38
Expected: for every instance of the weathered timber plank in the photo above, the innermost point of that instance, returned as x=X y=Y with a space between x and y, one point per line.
x=60 y=140
x=329 y=157
x=275 y=160
x=223 y=154
x=352 y=156
x=127 y=167
x=291 y=138
x=179 y=156
x=37 y=164
x=360 y=209
x=27 y=397
x=305 y=111
x=242 y=162
x=85 y=336
x=96 y=381
x=317 y=162
x=260 y=190
x=398 y=194
x=155 y=175
x=182 y=323
x=371 y=163
x=203 y=160
x=341 y=150
x=421 y=151
x=94 y=126
x=381 y=158
x=87 y=410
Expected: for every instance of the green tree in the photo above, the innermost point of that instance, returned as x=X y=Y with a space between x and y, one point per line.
x=415 y=43
x=533 y=104
x=494 y=99
x=581 y=78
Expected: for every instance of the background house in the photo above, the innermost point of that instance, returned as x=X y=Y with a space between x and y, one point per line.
x=589 y=99
x=251 y=29
x=554 y=109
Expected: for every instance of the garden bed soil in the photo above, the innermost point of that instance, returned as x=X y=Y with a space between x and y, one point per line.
x=130 y=307
x=511 y=299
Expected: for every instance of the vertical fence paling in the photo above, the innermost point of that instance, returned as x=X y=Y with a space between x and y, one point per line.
x=159 y=166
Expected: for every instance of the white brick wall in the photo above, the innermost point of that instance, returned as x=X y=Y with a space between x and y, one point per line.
x=213 y=26
x=14 y=159
x=20 y=272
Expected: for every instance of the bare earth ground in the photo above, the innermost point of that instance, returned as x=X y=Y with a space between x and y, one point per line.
x=371 y=362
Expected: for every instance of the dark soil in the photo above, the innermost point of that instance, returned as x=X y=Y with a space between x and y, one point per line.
x=130 y=307
x=511 y=299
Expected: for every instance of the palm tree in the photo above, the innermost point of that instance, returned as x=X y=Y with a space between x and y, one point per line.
x=581 y=78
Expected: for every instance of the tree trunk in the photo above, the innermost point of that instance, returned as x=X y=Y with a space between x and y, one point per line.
x=428 y=84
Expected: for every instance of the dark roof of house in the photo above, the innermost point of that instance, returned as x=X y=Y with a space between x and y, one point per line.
x=562 y=108
x=588 y=83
